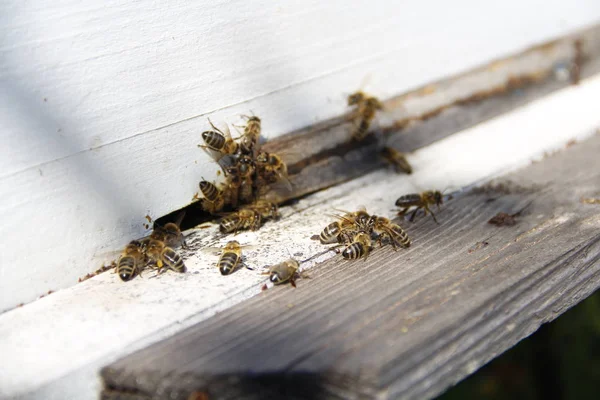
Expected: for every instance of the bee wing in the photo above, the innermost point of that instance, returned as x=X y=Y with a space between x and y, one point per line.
x=249 y=247
x=223 y=129
x=215 y=251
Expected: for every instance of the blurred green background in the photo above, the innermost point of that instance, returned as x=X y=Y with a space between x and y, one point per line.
x=561 y=360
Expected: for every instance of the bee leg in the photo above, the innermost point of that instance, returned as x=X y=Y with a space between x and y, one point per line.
x=293 y=281
x=402 y=212
x=412 y=215
x=432 y=214
x=247 y=267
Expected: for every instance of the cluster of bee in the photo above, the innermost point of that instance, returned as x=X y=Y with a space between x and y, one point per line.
x=357 y=230
x=155 y=251
x=249 y=173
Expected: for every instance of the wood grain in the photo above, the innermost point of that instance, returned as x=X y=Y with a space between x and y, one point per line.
x=403 y=324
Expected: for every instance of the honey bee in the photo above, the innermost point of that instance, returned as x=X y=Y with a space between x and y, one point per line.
x=286 y=271
x=241 y=219
x=420 y=200
x=170 y=233
x=384 y=227
x=271 y=169
x=397 y=159
x=131 y=261
x=230 y=257
x=360 y=247
x=251 y=135
x=163 y=257
x=242 y=174
x=219 y=141
x=265 y=208
x=331 y=233
x=367 y=106
x=361 y=220
x=213 y=200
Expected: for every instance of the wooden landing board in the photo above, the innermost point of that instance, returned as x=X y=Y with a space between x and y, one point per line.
x=404 y=324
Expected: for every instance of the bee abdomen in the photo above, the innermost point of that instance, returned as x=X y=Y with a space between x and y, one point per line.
x=213 y=140
x=354 y=251
x=228 y=225
x=401 y=236
x=228 y=263
x=126 y=268
x=209 y=190
x=173 y=260
x=330 y=233
x=408 y=200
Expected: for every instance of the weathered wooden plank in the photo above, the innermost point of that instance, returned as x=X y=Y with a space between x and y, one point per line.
x=403 y=324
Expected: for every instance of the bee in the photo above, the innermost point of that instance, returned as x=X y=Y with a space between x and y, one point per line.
x=251 y=135
x=331 y=233
x=232 y=189
x=360 y=247
x=361 y=220
x=219 y=141
x=420 y=200
x=265 y=208
x=242 y=219
x=242 y=174
x=213 y=200
x=397 y=159
x=131 y=261
x=284 y=272
x=384 y=227
x=271 y=169
x=367 y=106
x=230 y=257
x=170 y=233
x=163 y=257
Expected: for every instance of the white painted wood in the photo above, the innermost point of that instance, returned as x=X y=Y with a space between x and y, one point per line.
x=101 y=106
x=53 y=347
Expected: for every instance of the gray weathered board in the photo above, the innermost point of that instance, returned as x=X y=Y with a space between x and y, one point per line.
x=404 y=324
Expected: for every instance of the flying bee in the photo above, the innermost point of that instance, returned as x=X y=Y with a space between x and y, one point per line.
x=367 y=106
x=230 y=257
x=420 y=200
x=397 y=159
x=131 y=261
x=241 y=219
x=219 y=141
x=360 y=247
x=251 y=135
x=384 y=227
x=163 y=257
x=213 y=200
x=286 y=271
